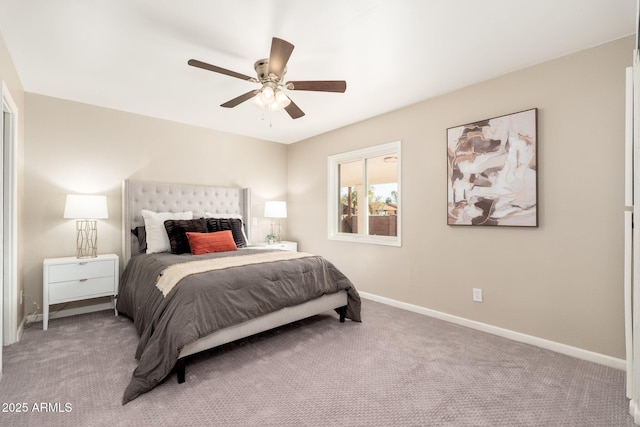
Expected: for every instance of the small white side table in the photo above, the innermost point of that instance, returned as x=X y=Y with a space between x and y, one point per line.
x=283 y=246
x=73 y=279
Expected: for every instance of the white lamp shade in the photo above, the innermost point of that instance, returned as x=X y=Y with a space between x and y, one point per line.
x=80 y=206
x=274 y=209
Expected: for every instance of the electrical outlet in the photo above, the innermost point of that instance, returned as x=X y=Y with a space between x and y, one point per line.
x=255 y=221
x=477 y=294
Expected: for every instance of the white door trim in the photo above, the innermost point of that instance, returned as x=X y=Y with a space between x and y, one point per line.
x=10 y=217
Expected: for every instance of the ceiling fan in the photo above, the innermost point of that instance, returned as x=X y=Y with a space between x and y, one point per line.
x=271 y=71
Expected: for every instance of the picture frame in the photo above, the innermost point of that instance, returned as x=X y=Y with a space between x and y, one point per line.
x=492 y=177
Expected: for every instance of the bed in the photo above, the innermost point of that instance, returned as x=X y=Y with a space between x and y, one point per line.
x=170 y=296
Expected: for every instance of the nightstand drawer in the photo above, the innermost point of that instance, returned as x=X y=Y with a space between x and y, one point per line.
x=80 y=289
x=80 y=270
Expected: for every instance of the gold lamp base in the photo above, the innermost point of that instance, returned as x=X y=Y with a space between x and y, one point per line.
x=87 y=238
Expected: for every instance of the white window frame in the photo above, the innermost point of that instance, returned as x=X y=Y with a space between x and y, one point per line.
x=334 y=162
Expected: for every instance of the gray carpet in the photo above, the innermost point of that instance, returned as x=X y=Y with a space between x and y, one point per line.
x=397 y=368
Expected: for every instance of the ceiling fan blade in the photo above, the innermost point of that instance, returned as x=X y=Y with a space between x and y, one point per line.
x=215 y=69
x=294 y=111
x=279 y=56
x=319 y=85
x=239 y=100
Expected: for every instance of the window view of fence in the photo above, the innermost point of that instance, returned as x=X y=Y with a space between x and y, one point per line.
x=369 y=192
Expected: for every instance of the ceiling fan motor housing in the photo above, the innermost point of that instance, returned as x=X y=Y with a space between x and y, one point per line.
x=262 y=70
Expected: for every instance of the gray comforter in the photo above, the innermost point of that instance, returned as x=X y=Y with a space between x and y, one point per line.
x=203 y=303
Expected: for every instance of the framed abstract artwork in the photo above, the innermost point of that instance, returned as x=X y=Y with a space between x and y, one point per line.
x=492 y=171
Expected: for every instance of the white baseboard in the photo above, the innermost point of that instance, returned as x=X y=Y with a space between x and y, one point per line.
x=71 y=312
x=633 y=411
x=601 y=359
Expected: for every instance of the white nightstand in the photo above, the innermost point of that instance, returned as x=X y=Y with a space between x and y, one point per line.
x=283 y=246
x=73 y=279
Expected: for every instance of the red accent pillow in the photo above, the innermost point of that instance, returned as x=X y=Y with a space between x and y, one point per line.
x=204 y=243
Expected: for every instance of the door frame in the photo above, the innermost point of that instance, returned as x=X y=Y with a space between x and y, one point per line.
x=9 y=303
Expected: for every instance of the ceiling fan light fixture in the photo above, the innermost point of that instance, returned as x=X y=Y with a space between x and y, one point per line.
x=271 y=99
x=282 y=99
x=267 y=95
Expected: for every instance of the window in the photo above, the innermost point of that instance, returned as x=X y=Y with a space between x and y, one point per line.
x=364 y=195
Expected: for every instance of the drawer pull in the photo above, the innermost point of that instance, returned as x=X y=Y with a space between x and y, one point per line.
x=83 y=263
x=83 y=280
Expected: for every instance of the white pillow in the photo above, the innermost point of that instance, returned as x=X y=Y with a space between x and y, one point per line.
x=228 y=215
x=157 y=238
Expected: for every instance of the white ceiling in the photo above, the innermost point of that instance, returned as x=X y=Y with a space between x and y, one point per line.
x=132 y=55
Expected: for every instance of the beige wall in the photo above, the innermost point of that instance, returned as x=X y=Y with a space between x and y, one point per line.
x=9 y=75
x=561 y=281
x=78 y=148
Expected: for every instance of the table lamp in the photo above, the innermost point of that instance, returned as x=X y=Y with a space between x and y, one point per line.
x=86 y=209
x=275 y=210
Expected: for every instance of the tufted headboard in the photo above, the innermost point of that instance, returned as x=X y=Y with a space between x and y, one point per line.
x=171 y=197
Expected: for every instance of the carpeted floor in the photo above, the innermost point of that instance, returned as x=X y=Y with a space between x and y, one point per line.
x=397 y=368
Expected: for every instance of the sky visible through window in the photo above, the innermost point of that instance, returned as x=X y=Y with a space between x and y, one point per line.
x=384 y=190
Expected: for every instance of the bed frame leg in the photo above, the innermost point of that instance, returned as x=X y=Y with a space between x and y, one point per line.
x=180 y=369
x=343 y=313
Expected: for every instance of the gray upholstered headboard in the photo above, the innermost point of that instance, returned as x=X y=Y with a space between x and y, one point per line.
x=171 y=197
